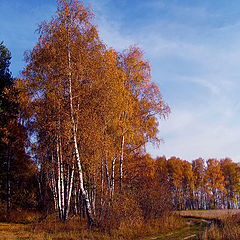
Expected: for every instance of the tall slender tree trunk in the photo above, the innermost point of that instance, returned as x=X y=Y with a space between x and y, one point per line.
x=54 y=190
x=62 y=187
x=93 y=195
x=107 y=175
x=121 y=164
x=83 y=191
x=60 y=210
x=52 y=183
x=75 y=201
x=69 y=187
x=102 y=191
x=113 y=177
x=78 y=161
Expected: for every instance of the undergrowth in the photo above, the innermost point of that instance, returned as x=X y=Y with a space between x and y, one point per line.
x=226 y=229
x=77 y=229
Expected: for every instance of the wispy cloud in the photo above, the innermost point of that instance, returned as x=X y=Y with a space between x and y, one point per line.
x=194 y=51
x=195 y=138
x=195 y=57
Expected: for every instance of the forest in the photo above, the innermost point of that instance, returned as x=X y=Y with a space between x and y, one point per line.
x=74 y=129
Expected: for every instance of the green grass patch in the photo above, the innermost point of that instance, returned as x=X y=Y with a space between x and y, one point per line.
x=192 y=231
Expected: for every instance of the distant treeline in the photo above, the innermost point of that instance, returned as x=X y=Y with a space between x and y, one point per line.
x=214 y=184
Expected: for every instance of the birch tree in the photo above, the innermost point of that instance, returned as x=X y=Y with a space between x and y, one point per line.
x=214 y=182
x=143 y=106
x=199 y=183
x=88 y=107
x=74 y=95
x=231 y=175
x=58 y=78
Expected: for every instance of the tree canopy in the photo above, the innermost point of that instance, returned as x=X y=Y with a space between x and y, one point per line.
x=88 y=106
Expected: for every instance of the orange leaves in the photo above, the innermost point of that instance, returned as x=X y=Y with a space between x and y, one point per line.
x=89 y=105
x=214 y=175
x=193 y=185
x=143 y=101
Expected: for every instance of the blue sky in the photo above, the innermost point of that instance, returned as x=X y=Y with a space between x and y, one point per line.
x=194 y=50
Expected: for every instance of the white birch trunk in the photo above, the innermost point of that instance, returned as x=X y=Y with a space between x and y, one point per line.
x=69 y=194
x=62 y=179
x=66 y=190
x=54 y=191
x=113 y=177
x=107 y=175
x=121 y=164
x=60 y=184
x=53 y=184
x=78 y=161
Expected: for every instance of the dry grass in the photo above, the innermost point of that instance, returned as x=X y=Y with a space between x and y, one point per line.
x=76 y=229
x=48 y=230
x=19 y=216
x=229 y=228
x=226 y=225
x=166 y=224
x=210 y=214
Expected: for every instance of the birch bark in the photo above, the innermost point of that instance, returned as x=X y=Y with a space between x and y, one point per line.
x=113 y=177
x=59 y=183
x=69 y=194
x=78 y=160
x=121 y=164
x=62 y=187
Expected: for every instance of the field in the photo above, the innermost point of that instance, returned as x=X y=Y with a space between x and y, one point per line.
x=206 y=224
x=11 y=231
x=51 y=228
x=192 y=231
x=222 y=224
x=197 y=224
x=210 y=214
x=76 y=229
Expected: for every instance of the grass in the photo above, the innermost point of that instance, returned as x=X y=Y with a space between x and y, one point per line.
x=227 y=228
x=170 y=227
x=47 y=231
x=223 y=224
x=76 y=229
x=226 y=224
x=209 y=214
x=12 y=231
x=192 y=231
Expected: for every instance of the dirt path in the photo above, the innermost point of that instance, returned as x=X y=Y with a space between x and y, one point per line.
x=191 y=232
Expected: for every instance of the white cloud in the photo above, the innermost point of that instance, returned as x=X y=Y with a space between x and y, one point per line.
x=189 y=138
x=207 y=128
x=110 y=32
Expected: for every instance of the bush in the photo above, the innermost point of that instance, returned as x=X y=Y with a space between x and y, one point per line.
x=19 y=215
x=123 y=208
